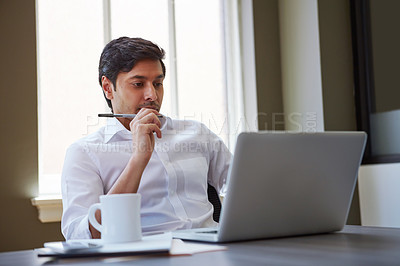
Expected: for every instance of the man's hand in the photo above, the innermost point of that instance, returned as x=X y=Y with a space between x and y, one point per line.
x=142 y=127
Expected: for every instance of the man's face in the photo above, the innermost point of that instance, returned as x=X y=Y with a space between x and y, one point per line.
x=142 y=87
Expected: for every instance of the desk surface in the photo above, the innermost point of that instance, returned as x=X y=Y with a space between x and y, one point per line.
x=355 y=245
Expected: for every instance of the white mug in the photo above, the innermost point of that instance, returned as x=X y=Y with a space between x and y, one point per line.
x=120 y=217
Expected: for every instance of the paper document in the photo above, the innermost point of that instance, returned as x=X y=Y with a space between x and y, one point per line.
x=186 y=248
x=153 y=244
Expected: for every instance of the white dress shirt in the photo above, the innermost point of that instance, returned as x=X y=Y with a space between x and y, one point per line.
x=173 y=185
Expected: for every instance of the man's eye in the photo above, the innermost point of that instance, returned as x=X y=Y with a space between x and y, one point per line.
x=138 y=84
x=158 y=84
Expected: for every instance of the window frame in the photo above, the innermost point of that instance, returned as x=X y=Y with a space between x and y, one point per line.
x=364 y=77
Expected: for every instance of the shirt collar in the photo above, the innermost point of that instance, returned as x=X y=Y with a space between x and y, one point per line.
x=115 y=128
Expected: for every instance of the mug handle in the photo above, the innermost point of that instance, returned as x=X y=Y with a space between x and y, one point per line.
x=92 y=217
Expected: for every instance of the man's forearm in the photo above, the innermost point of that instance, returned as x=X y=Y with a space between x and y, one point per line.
x=129 y=180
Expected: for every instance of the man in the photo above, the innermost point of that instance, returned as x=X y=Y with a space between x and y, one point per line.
x=169 y=162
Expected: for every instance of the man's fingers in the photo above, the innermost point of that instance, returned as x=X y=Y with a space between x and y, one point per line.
x=152 y=128
x=148 y=129
x=146 y=111
x=152 y=119
x=157 y=130
x=146 y=118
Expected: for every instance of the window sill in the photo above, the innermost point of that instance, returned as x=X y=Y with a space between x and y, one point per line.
x=49 y=208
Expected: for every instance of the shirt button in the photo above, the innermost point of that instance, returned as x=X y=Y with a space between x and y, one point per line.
x=171 y=192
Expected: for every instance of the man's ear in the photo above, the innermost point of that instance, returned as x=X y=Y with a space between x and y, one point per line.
x=108 y=87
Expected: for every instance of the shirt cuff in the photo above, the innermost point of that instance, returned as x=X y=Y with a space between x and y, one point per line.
x=80 y=230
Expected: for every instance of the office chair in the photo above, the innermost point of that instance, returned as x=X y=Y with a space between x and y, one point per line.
x=213 y=197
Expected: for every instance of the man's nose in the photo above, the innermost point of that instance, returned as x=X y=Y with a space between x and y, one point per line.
x=150 y=93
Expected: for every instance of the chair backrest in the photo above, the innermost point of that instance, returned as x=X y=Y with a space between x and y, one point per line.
x=213 y=197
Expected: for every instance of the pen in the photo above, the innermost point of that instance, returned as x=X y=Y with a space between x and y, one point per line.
x=123 y=115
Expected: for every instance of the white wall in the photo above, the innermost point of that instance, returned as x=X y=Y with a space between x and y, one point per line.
x=379 y=190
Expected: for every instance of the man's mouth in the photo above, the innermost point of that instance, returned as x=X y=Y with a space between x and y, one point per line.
x=152 y=105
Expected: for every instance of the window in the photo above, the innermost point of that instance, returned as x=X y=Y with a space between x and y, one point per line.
x=71 y=35
x=376 y=57
x=69 y=95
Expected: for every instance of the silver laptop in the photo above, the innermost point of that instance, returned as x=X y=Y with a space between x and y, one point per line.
x=286 y=184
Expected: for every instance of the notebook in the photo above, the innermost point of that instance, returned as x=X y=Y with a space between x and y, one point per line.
x=286 y=184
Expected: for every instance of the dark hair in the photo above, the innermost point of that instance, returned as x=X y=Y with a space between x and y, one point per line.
x=122 y=54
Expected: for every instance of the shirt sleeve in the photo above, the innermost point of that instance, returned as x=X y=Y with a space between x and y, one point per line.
x=220 y=159
x=81 y=187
